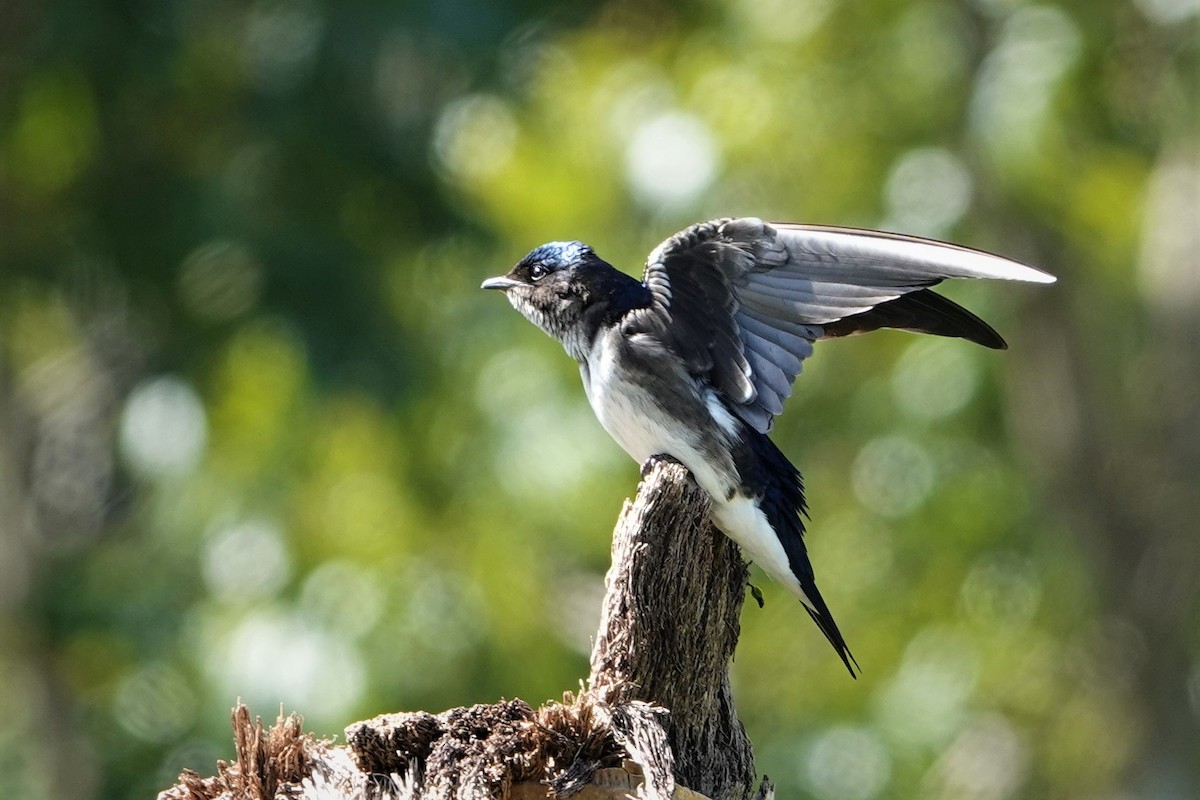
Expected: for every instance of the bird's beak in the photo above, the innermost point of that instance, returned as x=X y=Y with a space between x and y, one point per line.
x=499 y=282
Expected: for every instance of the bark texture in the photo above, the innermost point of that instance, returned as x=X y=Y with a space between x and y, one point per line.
x=669 y=626
x=657 y=714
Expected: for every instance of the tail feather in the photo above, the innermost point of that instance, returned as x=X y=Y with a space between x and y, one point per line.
x=828 y=627
x=782 y=501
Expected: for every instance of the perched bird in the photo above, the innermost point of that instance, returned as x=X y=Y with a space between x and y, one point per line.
x=695 y=360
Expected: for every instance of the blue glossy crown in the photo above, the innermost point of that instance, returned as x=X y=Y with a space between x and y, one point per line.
x=559 y=255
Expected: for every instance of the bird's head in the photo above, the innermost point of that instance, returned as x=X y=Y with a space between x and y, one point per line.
x=555 y=285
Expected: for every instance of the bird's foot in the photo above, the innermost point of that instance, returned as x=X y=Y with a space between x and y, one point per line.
x=650 y=463
x=757 y=594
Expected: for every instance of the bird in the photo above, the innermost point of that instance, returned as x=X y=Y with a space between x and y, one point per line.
x=695 y=361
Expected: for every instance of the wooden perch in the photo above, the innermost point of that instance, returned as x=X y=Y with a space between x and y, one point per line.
x=669 y=625
x=657 y=714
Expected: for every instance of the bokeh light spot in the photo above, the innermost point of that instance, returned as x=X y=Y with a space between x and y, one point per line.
x=935 y=378
x=474 y=137
x=364 y=512
x=927 y=191
x=54 y=135
x=630 y=93
x=1169 y=264
x=246 y=561
x=1017 y=80
x=573 y=607
x=273 y=657
x=220 y=280
x=1001 y=590
x=72 y=460
x=847 y=763
x=259 y=383
x=155 y=703
x=344 y=596
x=546 y=439
x=856 y=547
x=924 y=704
x=433 y=620
x=782 y=20
x=542 y=430
x=931 y=50
x=671 y=159
x=163 y=428
x=987 y=761
x=893 y=476
x=281 y=42
x=737 y=105
x=1168 y=12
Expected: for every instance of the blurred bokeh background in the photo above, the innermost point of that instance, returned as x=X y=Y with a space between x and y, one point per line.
x=261 y=436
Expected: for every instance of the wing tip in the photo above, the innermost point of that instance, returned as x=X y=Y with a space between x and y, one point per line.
x=962 y=261
x=1005 y=270
x=1034 y=275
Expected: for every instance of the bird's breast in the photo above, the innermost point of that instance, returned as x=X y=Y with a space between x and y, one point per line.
x=628 y=408
x=650 y=406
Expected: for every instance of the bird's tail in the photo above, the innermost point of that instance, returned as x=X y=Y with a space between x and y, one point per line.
x=783 y=504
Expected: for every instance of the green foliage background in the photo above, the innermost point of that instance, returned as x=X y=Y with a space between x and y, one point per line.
x=262 y=437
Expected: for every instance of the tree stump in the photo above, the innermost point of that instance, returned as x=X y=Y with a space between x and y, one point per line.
x=669 y=625
x=657 y=714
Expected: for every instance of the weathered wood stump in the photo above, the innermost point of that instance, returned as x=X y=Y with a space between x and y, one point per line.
x=657 y=713
x=669 y=625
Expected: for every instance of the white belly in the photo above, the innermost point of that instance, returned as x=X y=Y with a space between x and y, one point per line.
x=743 y=521
x=627 y=413
x=636 y=421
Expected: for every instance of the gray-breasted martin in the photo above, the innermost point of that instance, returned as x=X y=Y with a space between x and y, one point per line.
x=695 y=360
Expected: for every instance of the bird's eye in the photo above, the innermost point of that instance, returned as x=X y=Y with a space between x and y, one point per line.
x=537 y=272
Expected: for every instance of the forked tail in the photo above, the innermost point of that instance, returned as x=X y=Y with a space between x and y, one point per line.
x=782 y=501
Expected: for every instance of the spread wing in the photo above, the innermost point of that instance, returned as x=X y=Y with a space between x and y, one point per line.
x=743 y=301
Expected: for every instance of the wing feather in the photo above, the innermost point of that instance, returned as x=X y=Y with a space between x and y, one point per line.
x=762 y=344
x=742 y=300
x=797 y=347
x=770 y=377
x=774 y=387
